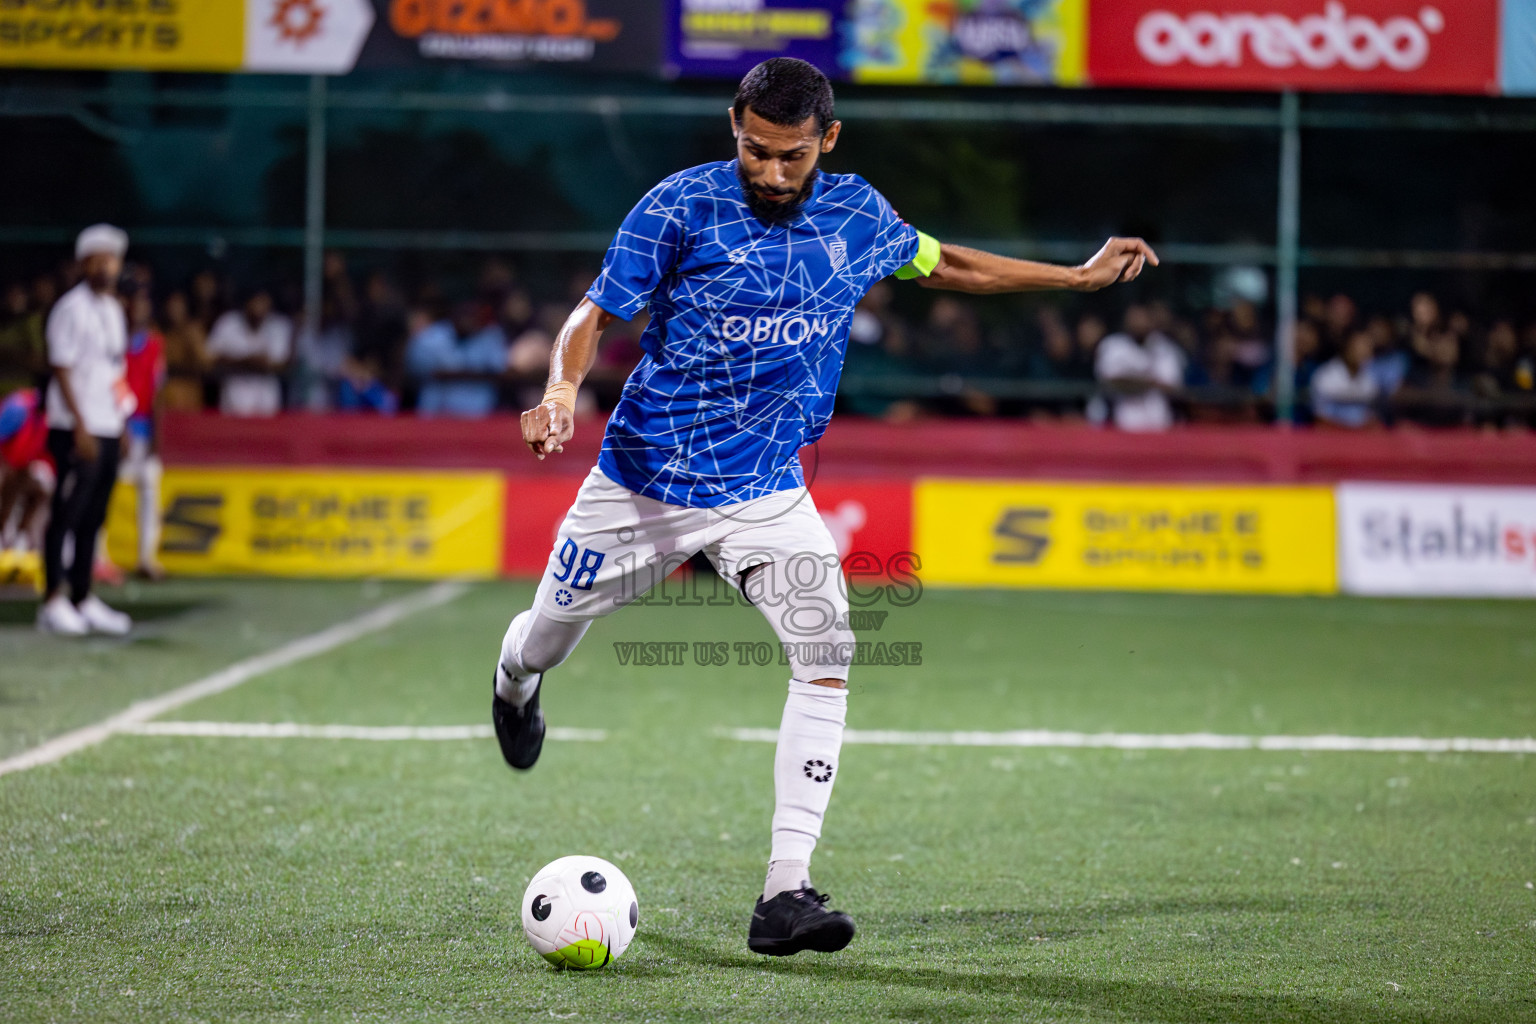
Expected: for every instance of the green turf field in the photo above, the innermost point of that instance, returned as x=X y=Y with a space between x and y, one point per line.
x=181 y=878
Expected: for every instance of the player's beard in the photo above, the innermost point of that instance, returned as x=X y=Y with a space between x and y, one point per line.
x=772 y=213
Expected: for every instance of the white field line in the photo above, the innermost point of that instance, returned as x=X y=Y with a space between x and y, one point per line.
x=1025 y=738
x=296 y=730
x=1164 y=741
x=228 y=678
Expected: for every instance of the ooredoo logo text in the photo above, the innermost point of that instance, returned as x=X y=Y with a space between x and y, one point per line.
x=1328 y=39
x=1400 y=45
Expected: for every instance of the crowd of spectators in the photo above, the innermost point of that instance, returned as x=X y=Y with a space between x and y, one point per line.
x=245 y=350
x=1424 y=365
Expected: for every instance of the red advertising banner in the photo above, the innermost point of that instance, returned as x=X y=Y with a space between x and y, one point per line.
x=535 y=507
x=1359 y=45
x=868 y=518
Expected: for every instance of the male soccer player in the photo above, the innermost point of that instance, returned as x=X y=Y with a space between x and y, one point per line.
x=751 y=269
x=144 y=376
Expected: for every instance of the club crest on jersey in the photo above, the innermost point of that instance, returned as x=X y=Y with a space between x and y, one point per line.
x=737 y=255
x=838 y=250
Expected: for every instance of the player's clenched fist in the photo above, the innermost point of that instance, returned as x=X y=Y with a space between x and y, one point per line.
x=547 y=427
x=1120 y=260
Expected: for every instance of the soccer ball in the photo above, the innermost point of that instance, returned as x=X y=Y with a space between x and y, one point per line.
x=580 y=912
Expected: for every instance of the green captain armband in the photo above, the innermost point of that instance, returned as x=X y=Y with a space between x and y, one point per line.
x=923 y=263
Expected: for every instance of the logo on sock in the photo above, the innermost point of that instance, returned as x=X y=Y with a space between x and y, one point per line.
x=818 y=771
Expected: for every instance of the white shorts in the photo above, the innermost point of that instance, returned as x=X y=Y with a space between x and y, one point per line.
x=614 y=546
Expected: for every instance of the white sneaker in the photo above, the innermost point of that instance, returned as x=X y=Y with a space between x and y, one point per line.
x=103 y=619
x=61 y=618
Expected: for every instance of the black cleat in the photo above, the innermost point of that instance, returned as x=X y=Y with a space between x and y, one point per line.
x=519 y=730
x=798 y=919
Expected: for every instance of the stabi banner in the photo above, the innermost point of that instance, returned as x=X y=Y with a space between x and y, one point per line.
x=1421 y=539
x=1322 y=45
x=327 y=36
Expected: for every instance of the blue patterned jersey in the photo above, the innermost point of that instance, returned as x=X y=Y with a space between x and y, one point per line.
x=749 y=327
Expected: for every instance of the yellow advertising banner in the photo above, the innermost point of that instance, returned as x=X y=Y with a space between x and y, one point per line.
x=320 y=523
x=968 y=42
x=156 y=35
x=21 y=569
x=1277 y=540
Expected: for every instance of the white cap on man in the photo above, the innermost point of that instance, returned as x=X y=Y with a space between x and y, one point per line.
x=101 y=238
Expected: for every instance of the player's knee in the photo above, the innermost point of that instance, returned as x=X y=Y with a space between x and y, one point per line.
x=821 y=657
x=804 y=600
x=537 y=643
x=531 y=655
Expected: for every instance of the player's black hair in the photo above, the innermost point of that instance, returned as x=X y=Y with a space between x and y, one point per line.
x=786 y=91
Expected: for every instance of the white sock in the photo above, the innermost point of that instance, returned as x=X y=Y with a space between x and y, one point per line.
x=786 y=876
x=148 y=493
x=515 y=684
x=810 y=738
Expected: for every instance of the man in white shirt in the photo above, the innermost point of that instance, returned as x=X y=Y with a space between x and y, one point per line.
x=1139 y=366
x=88 y=402
x=251 y=346
x=1344 y=389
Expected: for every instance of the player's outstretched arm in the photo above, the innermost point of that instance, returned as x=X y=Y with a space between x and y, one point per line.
x=962 y=269
x=548 y=425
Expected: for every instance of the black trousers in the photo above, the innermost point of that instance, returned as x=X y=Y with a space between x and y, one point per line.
x=80 y=497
